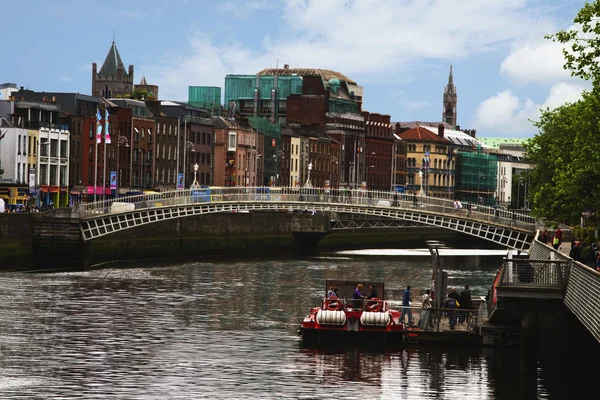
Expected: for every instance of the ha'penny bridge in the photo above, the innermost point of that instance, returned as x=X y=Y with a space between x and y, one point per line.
x=533 y=277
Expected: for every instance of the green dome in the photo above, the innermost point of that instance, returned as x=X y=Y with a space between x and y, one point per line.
x=334 y=84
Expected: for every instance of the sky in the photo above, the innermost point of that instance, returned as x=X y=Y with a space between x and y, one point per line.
x=400 y=51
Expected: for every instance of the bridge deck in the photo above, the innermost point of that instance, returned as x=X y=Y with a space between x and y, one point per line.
x=509 y=229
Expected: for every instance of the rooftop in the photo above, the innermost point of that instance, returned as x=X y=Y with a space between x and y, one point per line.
x=111 y=62
x=422 y=134
x=458 y=138
x=326 y=74
x=496 y=142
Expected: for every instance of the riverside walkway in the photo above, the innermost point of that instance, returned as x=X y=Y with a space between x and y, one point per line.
x=544 y=276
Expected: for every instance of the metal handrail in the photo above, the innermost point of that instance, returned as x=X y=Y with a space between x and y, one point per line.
x=371 y=199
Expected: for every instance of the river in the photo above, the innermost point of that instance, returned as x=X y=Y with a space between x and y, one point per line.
x=227 y=329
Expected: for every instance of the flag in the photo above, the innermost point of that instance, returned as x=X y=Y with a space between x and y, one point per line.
x=106 y=132
x=98 y=126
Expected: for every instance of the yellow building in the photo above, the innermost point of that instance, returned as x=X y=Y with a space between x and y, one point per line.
x=430 y=165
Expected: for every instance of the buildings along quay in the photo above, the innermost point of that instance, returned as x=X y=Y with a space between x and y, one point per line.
x=289 y=127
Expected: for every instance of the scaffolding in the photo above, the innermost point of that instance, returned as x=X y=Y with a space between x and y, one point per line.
x=476 y=177
x=208 y=97
x=272 y=143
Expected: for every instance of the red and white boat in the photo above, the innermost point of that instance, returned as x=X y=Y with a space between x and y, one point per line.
x=344 y=320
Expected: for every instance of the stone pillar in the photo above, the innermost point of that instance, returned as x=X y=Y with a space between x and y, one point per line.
x=529 y=351
x=57 y=241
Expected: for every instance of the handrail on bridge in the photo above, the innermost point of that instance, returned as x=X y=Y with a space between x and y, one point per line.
x=367 y=198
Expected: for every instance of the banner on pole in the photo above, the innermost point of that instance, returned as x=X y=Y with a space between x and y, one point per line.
x=32 y=177
x=180 y=181
x=106 y=131
x=98 y=127
x=113 y=180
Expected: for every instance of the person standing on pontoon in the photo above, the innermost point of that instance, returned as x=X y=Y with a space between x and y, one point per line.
x=406 y=306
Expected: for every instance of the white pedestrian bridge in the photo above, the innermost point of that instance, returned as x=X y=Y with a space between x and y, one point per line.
x=510 y=229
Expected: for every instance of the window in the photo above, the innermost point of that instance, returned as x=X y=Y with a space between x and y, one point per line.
x=63 y=150
x=91 y=130
x=231 y=143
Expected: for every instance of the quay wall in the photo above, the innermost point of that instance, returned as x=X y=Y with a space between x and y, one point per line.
x=52 y=240
x=208 y=235
x=15 y=241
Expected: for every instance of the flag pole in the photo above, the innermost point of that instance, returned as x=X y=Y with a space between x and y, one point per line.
x=104 y=168
x=96 y=159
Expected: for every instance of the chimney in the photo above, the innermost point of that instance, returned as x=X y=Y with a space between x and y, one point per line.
x=286 y=66
x=441 y=130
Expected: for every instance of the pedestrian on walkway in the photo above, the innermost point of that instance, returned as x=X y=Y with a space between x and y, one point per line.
x=406 y=306
x=466 y=303
x=544 y=235
x=425 y=310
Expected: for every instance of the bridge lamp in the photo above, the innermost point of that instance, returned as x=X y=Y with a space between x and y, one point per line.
x=195 y=183
x=308 y=184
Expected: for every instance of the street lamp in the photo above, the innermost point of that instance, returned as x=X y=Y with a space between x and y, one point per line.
x=333 y=160
x=190 y=148
x=521 y=183
x=308 y=184
x=276 y=156
x=37 y=167
x=124 y=142
x=195 y=183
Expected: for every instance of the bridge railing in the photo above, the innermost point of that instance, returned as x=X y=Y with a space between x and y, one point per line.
x=371 y=198
x=547 y=274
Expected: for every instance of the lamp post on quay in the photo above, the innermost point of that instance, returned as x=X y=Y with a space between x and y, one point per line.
x=190 y=149
x=332 y=161
x=308 y=184
x=195 y=183
x=121 y=142
x=37 y=167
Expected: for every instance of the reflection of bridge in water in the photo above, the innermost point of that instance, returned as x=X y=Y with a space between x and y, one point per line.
x=509 y=229
x=540 y=278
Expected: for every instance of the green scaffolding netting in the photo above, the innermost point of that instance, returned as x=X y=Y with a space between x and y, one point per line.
x=266 y=127
x=476 y=172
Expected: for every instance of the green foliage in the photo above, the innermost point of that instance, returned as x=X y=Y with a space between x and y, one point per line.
x=584 y=234
x=141 y=94
x=582 y=57
x=566 y=153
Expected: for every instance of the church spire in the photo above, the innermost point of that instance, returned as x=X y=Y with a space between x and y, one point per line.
x=450 y=101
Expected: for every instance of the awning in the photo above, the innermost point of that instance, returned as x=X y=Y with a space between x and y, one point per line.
x=78 y=190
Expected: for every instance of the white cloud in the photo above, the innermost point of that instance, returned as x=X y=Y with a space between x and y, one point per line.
x=536 y=63
x=504 y=114
x=65 y=78
x=366 y=39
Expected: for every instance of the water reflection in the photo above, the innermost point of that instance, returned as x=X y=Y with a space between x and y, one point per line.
x=226 y=329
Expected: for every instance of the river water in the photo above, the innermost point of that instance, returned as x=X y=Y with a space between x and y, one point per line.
x=227 y=329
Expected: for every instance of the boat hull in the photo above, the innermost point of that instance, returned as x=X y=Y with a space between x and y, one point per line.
x=363 y=338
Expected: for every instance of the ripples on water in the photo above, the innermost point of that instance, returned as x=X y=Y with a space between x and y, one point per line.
x=224 y=330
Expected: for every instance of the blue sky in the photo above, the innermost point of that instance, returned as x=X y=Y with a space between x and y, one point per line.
x=398 y=50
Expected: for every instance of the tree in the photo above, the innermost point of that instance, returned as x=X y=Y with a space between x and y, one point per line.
x=566 y=154
x=141 y=94
x=582 y=59
x=566 y=151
